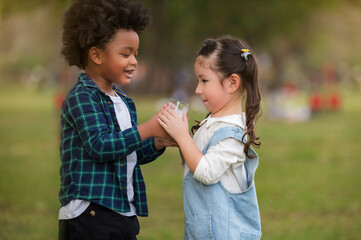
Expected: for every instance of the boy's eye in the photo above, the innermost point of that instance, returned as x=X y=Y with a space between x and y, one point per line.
x=128 y=55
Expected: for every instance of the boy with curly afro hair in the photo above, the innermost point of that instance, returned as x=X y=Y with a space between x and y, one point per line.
x=102 y=188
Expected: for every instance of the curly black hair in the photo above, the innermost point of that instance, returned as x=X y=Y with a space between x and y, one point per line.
x=93 y=23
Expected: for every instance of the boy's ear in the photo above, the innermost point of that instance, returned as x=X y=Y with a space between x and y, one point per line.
x=233 y=83
x=95 y=55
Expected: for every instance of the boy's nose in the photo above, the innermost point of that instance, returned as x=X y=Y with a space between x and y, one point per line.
x=133 y=61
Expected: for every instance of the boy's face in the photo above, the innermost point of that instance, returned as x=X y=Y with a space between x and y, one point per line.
x=119 y=57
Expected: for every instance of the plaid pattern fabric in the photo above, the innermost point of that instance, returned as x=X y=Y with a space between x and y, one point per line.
x=93 y=150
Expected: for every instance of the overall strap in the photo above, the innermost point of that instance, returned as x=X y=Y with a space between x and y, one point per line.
x=236 y=133
x=223 y=133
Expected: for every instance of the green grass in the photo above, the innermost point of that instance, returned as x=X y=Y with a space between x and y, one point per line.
x=308 y=181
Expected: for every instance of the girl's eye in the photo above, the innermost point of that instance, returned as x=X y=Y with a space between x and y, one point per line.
x=204 y=81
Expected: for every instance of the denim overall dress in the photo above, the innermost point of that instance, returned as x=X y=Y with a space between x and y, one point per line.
x=211 y=212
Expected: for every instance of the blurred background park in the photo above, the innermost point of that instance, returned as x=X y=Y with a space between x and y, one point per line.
x=309 y=52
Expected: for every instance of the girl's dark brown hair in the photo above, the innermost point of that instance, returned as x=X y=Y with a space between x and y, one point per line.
x=226 y=59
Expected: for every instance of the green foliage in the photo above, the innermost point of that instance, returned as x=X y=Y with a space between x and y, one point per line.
x=186 y=23
x=307 y=182
x=308 y=32
x=11 y=6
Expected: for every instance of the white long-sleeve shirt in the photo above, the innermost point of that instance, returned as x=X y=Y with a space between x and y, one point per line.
x=224 y=161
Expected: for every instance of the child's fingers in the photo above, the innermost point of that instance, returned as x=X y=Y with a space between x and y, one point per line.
x=164 y=114
x=185 y=116
x=171 y=105
x=171 y=112
x=161 y=123
x=165 y=117
x=168 y=142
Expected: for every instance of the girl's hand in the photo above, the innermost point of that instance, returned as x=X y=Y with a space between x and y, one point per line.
x=175 y=126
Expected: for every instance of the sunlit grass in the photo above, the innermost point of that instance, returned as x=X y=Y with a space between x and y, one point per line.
x=308 y=179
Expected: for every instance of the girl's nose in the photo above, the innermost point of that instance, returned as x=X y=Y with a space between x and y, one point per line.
x=198 y=90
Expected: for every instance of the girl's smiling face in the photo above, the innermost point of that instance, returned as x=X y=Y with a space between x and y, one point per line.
x=119 y=57
x=210 y=88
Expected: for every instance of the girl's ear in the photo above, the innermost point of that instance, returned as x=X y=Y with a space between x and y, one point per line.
x=233 y=82
x=95 y=55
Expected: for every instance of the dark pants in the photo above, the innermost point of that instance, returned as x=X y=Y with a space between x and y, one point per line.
x=98 y=222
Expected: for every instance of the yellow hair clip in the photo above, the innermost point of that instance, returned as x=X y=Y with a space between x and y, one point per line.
x=245 y=53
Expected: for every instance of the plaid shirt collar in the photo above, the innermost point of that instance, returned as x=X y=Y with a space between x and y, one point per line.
x=87 y=82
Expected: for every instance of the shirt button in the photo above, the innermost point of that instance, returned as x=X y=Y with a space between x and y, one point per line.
x=115 y=123
x=121 y=165
x=92 y=213
x=109 y=102
x=123 y=188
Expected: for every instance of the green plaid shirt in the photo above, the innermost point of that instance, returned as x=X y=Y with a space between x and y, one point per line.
x=93 y=150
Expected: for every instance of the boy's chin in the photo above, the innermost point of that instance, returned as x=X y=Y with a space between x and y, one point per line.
x=124 y=81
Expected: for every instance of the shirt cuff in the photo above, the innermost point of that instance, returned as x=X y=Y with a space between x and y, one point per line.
x=132 y=138
x=154 y=149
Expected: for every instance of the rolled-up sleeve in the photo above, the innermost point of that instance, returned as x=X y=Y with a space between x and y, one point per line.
x=148 y=153
x=218 y=159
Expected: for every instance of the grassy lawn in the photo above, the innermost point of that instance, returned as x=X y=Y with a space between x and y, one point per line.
x=308 y=181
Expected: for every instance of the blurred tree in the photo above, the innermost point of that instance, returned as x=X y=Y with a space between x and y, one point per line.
x=280 y=28
x=179 y=27
x=11 y=6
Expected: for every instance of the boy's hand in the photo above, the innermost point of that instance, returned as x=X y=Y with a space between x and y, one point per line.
x=156 y=129
x=160 y=143
x=151 y=128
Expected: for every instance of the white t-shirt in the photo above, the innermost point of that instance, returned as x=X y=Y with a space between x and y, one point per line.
x=224 y=161
x=76 y=207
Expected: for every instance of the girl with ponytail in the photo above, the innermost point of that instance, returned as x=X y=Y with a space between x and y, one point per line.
x=219 y=193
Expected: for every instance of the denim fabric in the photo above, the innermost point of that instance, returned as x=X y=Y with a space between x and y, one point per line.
x=211 y=212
